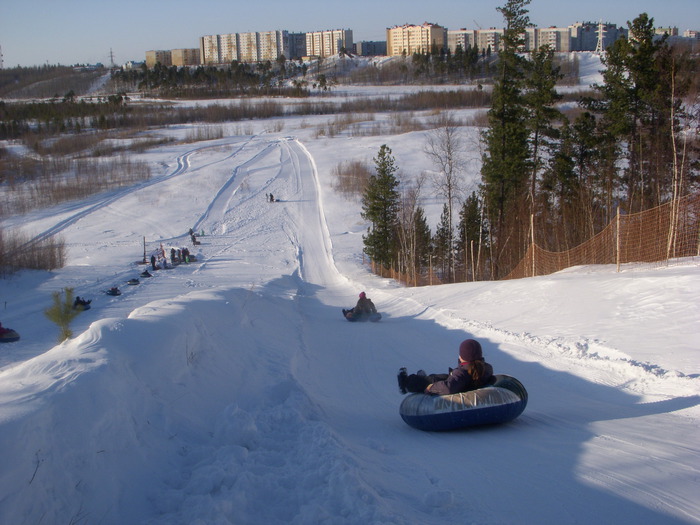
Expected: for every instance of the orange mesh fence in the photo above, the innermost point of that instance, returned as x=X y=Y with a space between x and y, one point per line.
x=422 y=279
x=655 y=236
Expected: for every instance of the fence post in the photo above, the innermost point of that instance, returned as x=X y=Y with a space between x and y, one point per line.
x=532 y=241
x=617 y=240
x=473 y=265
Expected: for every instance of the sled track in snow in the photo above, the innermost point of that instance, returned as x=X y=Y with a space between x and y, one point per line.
x=615 y=366
x=100 y=202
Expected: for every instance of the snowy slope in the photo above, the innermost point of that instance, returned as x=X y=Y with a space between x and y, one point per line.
x=230 y=390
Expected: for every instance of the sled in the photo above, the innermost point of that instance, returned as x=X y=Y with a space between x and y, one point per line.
x=374 y=317
x=500 y=402
x=9 y=337
x=81 y=307
x=132 y=282
x=113 y=291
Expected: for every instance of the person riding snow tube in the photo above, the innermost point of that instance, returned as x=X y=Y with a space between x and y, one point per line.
x=364 y=310
x=8 y=335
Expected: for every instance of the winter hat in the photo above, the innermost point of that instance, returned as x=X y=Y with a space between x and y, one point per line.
x=470 y=350
x=362 y=295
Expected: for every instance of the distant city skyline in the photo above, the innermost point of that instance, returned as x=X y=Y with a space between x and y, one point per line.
x=40 y=32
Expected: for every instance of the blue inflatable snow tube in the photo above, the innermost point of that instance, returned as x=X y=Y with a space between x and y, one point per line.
x=502 y=401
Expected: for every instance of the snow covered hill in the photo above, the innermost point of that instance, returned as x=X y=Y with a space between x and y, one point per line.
x=230 y=389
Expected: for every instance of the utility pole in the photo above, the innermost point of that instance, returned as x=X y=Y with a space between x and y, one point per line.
x=599 y=49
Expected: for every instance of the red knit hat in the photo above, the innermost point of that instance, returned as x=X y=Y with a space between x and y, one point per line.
x=470 y=350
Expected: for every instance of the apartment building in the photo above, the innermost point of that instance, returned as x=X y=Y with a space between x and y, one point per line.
x=409 y=39
x=328 y=43
x=464 y=38
x=557 y=38
x=370 y=48
x=185 y=57
x=248 y=47
x=162 y=56
x=245 y=47
x=489 y=39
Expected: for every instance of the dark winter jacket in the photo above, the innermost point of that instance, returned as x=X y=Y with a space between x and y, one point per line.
x=459 y=380
x=365 y=306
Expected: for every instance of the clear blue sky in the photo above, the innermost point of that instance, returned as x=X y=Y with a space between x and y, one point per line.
x=37 y=32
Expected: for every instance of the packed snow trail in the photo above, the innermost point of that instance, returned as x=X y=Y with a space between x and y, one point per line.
x=231 y=390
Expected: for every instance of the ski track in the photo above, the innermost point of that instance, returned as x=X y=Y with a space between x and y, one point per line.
x=100 y=203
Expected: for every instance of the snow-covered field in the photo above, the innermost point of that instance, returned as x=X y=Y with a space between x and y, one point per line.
x=231 y=390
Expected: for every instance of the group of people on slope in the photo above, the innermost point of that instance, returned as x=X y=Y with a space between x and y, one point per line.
x=472 y=370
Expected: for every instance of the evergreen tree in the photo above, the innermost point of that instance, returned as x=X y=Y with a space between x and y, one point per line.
x=505 y=165
x=472 y=237
x=62 y=313
x=423 y=239
x=540 y=99
x=442 y=247
x=380 y=206
x=639 y=107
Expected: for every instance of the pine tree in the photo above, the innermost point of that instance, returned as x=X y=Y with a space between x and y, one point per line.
x=380 y=206
x=540 y=99
x=62 y=313
x=472 y=236
x=505 y=165
x=639 y=105
x=442 y=247
x=423 y=239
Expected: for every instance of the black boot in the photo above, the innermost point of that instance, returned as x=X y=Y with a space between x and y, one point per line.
x=402 y=380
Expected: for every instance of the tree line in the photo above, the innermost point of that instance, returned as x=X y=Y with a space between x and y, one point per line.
x=546 y=177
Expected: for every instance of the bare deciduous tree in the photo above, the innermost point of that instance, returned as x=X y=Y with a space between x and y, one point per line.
x=445 y=148
x=408 y=235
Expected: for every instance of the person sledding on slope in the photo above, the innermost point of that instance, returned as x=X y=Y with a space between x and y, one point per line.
x=364 y=307
x=81 y=303
x=472 y=373
x=8 y=335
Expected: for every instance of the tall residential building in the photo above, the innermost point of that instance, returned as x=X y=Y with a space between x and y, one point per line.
x=557 y=38
x=464 y=38
x=409 y=39
x=297 y=45
x=328 y=43
x=185 y=57
x=670 y=31
x=162 y=56
x=227 y=48
x=246 y=47
x=489 y=39
x=370 y=48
